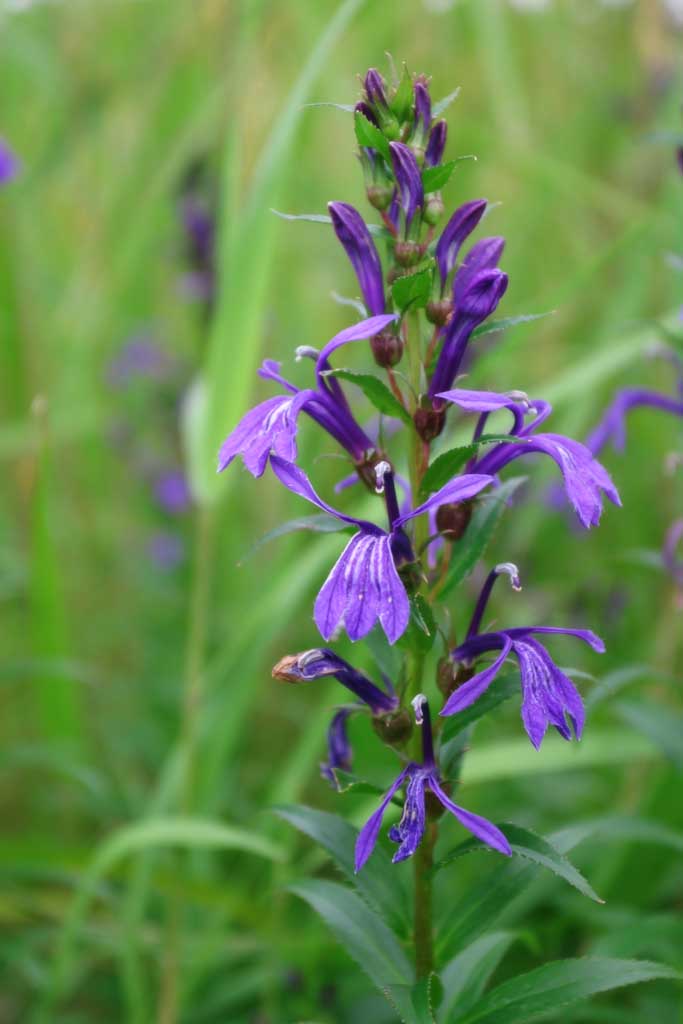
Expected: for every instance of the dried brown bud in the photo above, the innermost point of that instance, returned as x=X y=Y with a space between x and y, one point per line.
x=285 y=669
x=445 y=676
x=365 y=468
x=453 y=519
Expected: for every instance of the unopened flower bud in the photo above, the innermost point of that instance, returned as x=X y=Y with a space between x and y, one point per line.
x=433 y=208
x=445 y=676
x=395 y=728
x=439 y=310
x=379 y=195
x=429 y=422
x=436 y=145
x=453 y=519
x=407 y=253
x=387 y=348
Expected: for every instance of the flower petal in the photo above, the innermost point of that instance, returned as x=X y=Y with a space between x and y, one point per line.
x=361 y=331
x=352 y=232
x=480 y=401
x=410 y=829
x=462 y=223
x=474 y=823
x=458 y=489
x=473 y=688
x=272 y=425
x=296 y=481
x=363 y=587
x=367 y=836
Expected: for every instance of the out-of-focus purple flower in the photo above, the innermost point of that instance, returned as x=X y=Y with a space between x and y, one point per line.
x=672 y=559
x=477 y=290
x=200 y=233
x=364 y=586
x=352 y=232
x=408 y=180
x=140 y=357
x=679 y=158
x=459 y=227
x=436 y=144
x=612 y=426
x=272 y=425
x=172 y=491
x=339 y=752
x=418 y=778
x=9 y=164
x=166 y=550
x=321 y=662
x=585 y=479
x=548 y=695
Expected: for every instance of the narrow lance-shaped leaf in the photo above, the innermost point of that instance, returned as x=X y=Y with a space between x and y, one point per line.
x=549 y=988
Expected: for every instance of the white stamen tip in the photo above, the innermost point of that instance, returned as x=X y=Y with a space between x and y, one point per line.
x=418 y=703
x=381 y=469
x=519 y=396
x=305 y=352
x=308 y=657
x=511 y=570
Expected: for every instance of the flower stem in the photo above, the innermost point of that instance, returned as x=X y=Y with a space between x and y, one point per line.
x=422 y=921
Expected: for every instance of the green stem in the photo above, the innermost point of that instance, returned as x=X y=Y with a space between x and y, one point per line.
x=422 y=921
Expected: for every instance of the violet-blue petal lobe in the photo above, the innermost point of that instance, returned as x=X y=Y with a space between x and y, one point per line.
x=460 y=488
x=367 y=836
x=473 y=688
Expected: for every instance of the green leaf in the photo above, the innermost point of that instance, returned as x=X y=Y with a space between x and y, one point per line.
x=413 y=290
x=448 y=464
x=319 y=522
x=529 y=845
x=348 y=108
x=444 y=104
x=553 y=986
x=376 y=392
x=403 y=98
x=465 y=976
x=487 y=514
x=504 y=323
x=421 y=632
x=417 y=1004
x=360 y=931
x=347 y=781
x=434 y=178
x=662 y=725
x=380 y=885
x=323 y=218
x=369 y=136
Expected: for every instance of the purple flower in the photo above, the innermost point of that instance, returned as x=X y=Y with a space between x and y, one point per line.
x=172 y=491
x=417 y=779
x=352 y=232
x=585 y=479
x=612 y=426
x=408 y=180
x=460 y=226
x=272 y=425
x=200 y=231
x=339 y=752
x=436 y=144
x=9 y=164
x=166 y=550
x=364 y=586
x=477 y=290
x=140 y=357
x=548 y=694
x=374 y=89
x=423 y=114
x=321 y=662
x=673 y=562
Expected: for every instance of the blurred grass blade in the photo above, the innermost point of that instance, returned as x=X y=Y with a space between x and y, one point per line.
x=245 y=259
x=466 y=975
x=193 y=833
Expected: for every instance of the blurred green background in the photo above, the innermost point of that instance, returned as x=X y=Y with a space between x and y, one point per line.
x=143 y=877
